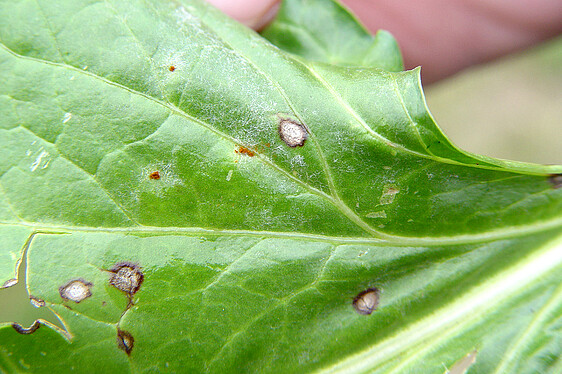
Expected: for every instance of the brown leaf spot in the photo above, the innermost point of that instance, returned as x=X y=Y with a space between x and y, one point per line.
x=127 y=277
x=37 y=302
x=366 y=302
x=76 y=290
x=26 y=331
x=294 y=134
x=125 y=341
x=154 y=175
x=172 y=68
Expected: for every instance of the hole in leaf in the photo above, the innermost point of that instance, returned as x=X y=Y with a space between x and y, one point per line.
x=294 y=134
x=125 y=341
x=366 y=302
x=126 y=277
x=76 y=290
x=19 y=308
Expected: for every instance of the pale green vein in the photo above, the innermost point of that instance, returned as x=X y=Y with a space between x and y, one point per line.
x=227 y=270
x=279 y=303
x=8 y=203
x=430 y=241
x=412 y=123
x=378 y=136
x=90 y=177
x=50 y=28
x=141 y=46
x=507 y=364
x=446 y=322
x=310 y=35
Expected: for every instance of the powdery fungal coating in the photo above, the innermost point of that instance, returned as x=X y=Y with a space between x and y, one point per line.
x=26 y=331
x=294 y=134
x=126 y=277
x=125 y=341
x=366 y=302
x=76 y=290
x=555 y=180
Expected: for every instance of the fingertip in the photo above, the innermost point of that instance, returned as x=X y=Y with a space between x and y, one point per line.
x=253 y=13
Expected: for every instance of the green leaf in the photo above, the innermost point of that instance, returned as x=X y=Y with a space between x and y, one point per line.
x=252 y=251
x=324 y=31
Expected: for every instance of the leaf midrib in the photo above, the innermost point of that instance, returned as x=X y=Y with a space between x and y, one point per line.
x=406 y=241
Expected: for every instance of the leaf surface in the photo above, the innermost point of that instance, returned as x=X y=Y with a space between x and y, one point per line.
x=324 y=31
x=147 y=133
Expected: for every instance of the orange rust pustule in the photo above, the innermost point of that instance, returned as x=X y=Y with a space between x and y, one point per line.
x=245 y=151
x=154 y=175
x=172 y=68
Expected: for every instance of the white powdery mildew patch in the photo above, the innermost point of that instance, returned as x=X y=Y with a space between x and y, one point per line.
x=233 y=71
x=298 y=161
x=185 y=19
x=173 y=61
x=264 y=217
x=266 y=178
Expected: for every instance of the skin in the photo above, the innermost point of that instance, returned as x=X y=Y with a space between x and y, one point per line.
x=444 y=37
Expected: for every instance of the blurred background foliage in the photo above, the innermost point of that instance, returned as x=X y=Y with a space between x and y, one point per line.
x=509 y=108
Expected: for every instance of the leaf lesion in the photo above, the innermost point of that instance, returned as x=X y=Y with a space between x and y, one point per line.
x=340 y=205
